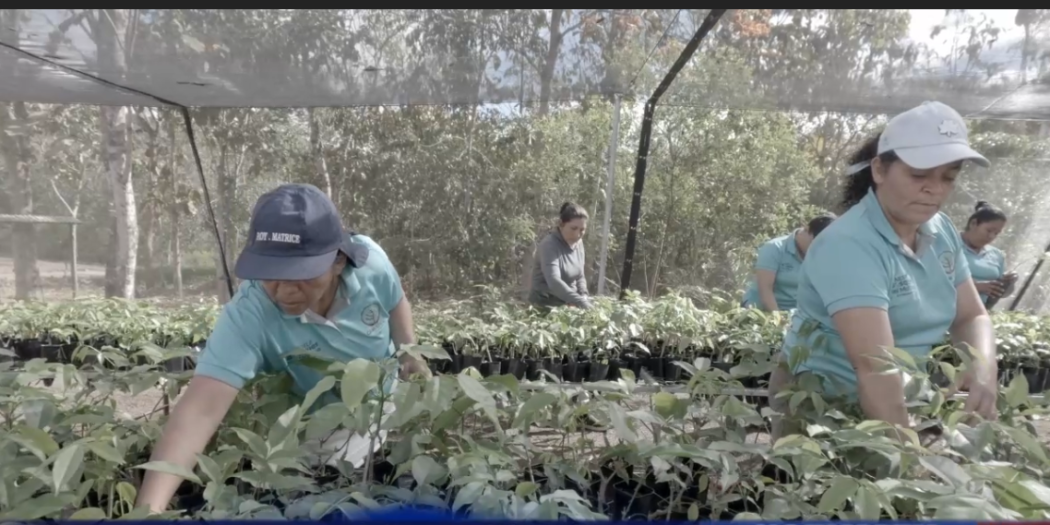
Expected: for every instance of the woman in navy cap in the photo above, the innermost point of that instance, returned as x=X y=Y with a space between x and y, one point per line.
x=308 y=284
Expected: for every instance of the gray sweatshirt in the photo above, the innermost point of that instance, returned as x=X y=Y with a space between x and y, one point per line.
x=557 y=274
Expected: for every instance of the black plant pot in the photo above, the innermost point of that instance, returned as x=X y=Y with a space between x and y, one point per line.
x=175 y=366
x=28 y=349
x=52 y=353
x=1035 y=377
x=615 y=365
x=672 y=372
x=634 y=364
x=655 y=365
x=573 y=372
x=532 y=369
x=488 y=368
x=554 y=366
x=514 y=366
x=472 y=361
x=1042 y=379
x=455 y=365
x=598 y=372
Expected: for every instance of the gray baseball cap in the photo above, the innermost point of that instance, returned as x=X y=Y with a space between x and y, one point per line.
x=929 y=135
x=295 y=235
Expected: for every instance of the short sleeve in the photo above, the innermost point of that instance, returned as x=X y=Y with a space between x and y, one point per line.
x=962 y=264
x=234 y=353
x=847 y=273
x=768 y=257
x=387 y=281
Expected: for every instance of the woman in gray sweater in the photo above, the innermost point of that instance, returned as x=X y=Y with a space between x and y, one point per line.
x=558 y=272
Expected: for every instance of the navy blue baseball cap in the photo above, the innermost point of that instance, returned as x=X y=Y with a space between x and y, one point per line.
x=295 y=235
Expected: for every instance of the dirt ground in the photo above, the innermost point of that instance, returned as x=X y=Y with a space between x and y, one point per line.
x=55 y=281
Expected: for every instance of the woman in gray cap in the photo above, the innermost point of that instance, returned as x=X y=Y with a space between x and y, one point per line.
x=558 y=271
x=308 y=284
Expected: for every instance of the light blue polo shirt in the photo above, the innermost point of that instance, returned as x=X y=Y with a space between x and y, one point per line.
x=254 y=335
x=780 y=256
x=859 y=261
x=988 y=265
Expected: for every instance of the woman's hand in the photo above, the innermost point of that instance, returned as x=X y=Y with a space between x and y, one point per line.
x=993 y=289
x=983 y=387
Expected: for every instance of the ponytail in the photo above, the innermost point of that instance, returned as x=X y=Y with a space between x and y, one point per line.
x=861 y=179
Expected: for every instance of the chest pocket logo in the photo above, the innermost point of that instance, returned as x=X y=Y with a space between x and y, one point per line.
x=787 y=266
x=370 y=315
x=948 y=263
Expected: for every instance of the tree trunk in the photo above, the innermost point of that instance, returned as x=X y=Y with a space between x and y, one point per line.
x=19 y=193
x=553 y=49
x=121 y=282
x=176 y=250
x=317 y=150
x=110 y=30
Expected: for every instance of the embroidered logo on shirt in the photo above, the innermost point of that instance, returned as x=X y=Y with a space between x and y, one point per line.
x=901 y=286
x=948 y=262
x=370 y=315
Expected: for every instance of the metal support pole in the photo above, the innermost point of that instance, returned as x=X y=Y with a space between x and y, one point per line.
x=188 y=121
x=643 y=143
x=1028 y=281
x=610 y=190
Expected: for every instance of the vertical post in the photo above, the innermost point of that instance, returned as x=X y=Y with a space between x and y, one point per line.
x=73 y=258
x=610 y=189
x=643 y=143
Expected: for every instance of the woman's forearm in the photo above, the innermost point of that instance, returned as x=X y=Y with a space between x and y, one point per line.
x=977 y=333
x=882 y=397
x=769 y=300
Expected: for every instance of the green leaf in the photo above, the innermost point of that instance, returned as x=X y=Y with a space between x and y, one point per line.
x=67 y=462
x=210 y=468
x=39 y=442
x=743 y=516
x=425 y=351
x=946 y=469
x=127 y=492
x=526 y=489
x=474 y=390
x=665 y=402
x=468 y=494
x=170 y=468
x=359 y=377
x=532 y=405
x=427 y=471
x=1017 y=392
x=106 y=452
x=866 y=504
x=325 y=384
x=619 y=423
x=89 y=513
x=254 y=441
x=694 y=512
x=841 y=489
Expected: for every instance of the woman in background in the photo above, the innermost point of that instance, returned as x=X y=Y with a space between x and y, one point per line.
x=987 y=263
x=558 y=274
x=776 y=269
